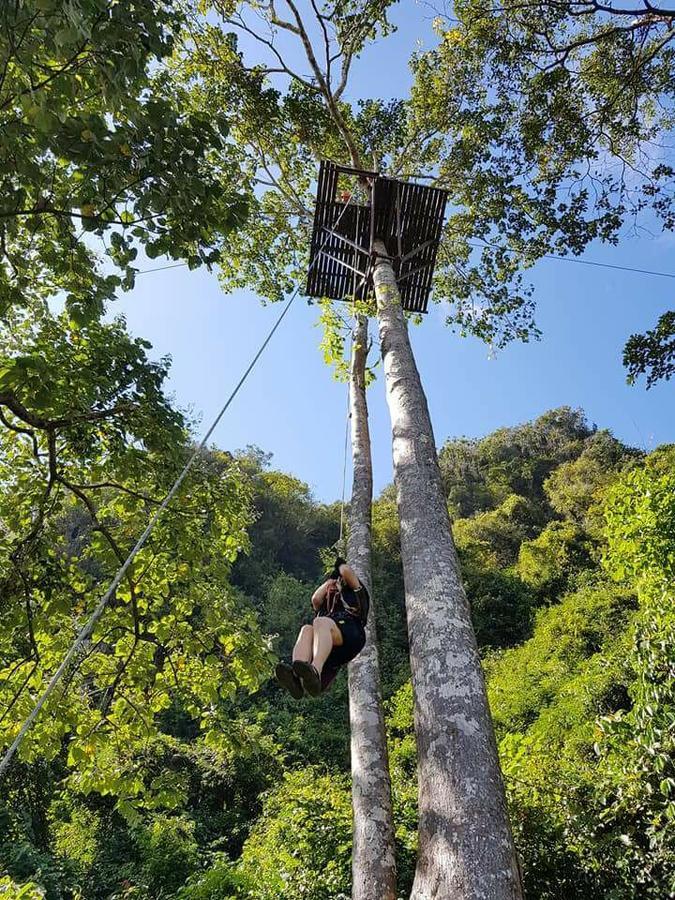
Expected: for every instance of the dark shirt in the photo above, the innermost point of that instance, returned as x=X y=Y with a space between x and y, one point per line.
x=346 y=602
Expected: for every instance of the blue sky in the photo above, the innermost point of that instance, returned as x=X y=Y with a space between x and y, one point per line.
x=293 y=408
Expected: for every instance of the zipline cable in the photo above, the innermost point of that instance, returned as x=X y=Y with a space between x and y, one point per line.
x=582 y=262
x=477 y=246
x=88 y=628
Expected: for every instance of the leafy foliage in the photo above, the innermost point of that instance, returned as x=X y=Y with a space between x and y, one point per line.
x=257 y=805
x=9 y=890
x=552 y=123
x=479 y=475
x=638 y=758
x=653 y=353
x=549 y=561
x=574 y=488
x=96 y=144
x=82 y=471
x=301 y=846
x=493 y=537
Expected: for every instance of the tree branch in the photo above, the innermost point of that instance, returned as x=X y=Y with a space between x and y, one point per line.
x=31 y=434
x=19 y=691
x=331 y=102
x=12 y=402
x=239 y=22
x=105 y=531
x=120 y=487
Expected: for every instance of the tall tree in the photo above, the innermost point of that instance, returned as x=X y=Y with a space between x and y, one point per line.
x=283 y=126
x=465 y=841
x=270 y=254
x=373 y=857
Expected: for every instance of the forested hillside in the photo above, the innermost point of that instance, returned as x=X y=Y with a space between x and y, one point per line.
x=567 y=542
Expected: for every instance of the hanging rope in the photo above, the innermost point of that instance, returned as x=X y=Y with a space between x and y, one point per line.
x=344 y=461
x=88 y=628
x=341 y=549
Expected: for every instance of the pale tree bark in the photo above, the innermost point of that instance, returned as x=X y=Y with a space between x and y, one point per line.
x=466 y=848
x=373 y=852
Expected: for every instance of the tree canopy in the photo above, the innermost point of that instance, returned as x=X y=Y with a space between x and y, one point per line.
x=100 y=155
x=553 y=123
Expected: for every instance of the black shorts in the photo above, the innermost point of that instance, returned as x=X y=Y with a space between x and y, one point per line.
x=353 y=642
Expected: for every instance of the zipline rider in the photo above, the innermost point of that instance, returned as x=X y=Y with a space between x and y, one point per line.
x=335 y=637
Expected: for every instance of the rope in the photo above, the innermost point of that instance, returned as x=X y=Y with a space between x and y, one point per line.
x=349 y=415
x=344 y=462
x=88 y=628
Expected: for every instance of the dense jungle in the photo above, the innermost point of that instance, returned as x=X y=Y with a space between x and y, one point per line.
x=570 y=611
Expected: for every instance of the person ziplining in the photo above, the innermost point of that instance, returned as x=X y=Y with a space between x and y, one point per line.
x=336 y=636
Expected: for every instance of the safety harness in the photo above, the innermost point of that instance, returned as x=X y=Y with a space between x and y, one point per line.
x=342 y=598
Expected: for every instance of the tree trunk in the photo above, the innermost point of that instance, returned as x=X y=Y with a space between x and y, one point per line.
x=373 y=854
x=466 y=849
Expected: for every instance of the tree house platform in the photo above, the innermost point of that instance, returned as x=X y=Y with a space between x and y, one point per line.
x=406 y=217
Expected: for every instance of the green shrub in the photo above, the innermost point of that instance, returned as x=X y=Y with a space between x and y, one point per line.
x=10 y=890
x=301 y=845
x=169 y=853
x=548 y=562
x=223 y=880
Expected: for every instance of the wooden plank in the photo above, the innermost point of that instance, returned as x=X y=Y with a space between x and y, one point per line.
x=348 y=170
x=330 y=265
x=441 y=201
x=312 y=273
x=416 y=224
x=435 y=211
x=435 y=216
x=418 y=266
x=439 y=215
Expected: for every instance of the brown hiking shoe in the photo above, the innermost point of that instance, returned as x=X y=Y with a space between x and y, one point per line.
x=289 y=680
x=309 y=677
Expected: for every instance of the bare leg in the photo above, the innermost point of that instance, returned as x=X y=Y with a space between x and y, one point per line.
x=326 y=636
x=304 y=644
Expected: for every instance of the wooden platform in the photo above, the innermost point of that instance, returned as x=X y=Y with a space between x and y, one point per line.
x=407 y=217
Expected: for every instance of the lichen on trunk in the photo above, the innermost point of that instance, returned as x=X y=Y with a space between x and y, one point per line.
x=465 y=845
